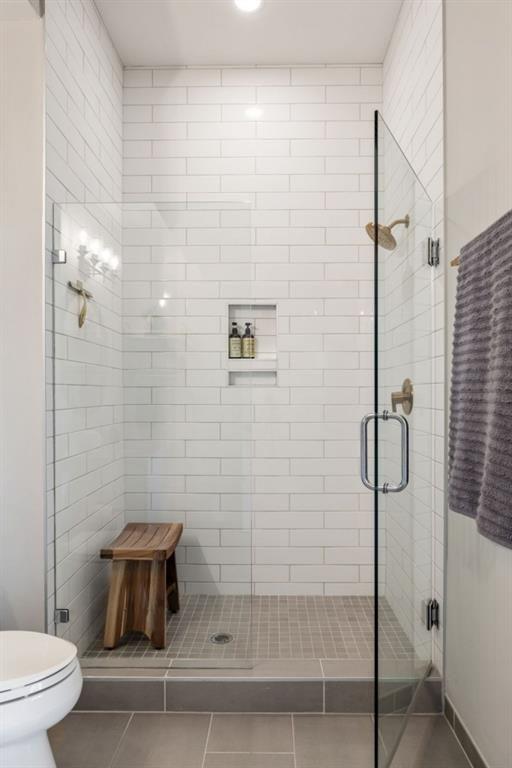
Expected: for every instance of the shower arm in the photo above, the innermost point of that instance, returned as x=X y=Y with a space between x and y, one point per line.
x=405 y=221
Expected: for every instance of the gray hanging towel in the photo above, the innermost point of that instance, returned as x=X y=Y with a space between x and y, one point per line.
x=480 y=455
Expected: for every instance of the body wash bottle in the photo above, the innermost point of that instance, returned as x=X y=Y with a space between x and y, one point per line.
x=235 y=342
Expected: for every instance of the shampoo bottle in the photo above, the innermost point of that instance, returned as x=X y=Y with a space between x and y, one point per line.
x=235 y=342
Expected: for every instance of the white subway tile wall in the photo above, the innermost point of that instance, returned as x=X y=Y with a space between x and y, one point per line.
x=295 y=143
x=83 y=158
x=413 y=109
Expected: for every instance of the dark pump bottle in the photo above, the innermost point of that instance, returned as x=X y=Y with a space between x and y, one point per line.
x=248 y=346
x=235 y=342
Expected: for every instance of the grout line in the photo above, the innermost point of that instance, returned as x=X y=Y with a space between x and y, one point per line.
x=238 y=752
x=293 y=742
x=116 y=751
x=207 y=740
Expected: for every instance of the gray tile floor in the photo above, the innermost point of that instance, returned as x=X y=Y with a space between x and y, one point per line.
x=112 y=740
x=271 y=628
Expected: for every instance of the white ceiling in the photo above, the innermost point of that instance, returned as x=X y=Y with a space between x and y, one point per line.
x=215 y=32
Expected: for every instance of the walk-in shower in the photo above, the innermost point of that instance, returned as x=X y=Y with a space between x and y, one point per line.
x=285 y=556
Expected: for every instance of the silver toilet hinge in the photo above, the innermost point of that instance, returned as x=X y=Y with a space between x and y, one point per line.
x=61 y=616
x=59 y=256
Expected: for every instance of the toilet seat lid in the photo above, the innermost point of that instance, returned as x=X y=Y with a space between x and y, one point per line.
x=28 y=657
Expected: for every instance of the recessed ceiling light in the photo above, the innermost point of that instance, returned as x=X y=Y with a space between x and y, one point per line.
x=249 y=6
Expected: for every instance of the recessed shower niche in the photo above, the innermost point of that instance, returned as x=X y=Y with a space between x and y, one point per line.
x=261 y=370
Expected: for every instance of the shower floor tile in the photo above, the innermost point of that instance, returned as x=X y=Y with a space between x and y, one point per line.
x=269 y=628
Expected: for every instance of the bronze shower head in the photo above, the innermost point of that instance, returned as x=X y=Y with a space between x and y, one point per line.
x=385 y=237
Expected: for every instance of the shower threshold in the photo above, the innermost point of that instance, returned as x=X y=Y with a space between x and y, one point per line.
x=296 y=685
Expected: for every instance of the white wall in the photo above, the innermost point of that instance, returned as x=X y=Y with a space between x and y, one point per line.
x=83 y=107
x=22 y=471
x=413 y=110
x=306 y=166
x=478 y=49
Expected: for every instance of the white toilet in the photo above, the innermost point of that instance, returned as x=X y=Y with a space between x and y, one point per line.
x=40 y=682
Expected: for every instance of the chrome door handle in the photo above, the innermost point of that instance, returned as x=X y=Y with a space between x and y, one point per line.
x=404 y=453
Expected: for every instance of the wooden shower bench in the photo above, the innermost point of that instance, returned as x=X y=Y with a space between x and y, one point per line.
x=144 y=581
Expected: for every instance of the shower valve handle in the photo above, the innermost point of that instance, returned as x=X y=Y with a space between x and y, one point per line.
x=405 y=397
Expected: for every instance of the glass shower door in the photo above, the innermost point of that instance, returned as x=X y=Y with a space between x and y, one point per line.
x=398 y=437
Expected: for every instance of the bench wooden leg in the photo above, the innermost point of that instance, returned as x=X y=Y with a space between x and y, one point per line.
x=140 y=593
x=115 y=623
x=156 y=609
x=173 y=593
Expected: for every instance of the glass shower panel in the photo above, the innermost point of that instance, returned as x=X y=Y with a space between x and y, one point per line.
x=87 y=382
x=153 y=420
x=404 y=436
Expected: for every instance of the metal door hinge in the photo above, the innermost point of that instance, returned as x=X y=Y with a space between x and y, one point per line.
x=432 y=614
x=61 y=616
x=59 y=256
x=433 y=248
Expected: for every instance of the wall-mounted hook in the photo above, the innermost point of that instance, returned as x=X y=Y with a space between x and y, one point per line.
x=85 y=295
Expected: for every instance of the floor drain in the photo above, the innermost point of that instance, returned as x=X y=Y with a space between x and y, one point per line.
x=221 y=638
